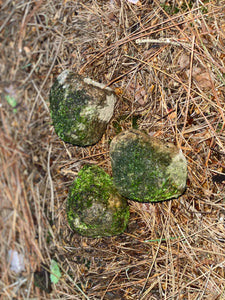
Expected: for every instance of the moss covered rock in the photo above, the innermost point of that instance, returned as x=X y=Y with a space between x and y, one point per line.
x=147 y=169
x=94 y=207
x=80 y=108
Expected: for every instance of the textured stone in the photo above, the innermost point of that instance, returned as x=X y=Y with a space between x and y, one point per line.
x=80 y=108
x=94 y=207
x=147 y=169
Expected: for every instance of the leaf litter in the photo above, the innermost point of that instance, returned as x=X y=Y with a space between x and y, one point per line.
x=172 y=88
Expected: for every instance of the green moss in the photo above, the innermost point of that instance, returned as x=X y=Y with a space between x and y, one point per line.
x=170 y=9
x=129 y=170
x=79 y=111
x=94 y=207
x=117 y=127
x=135 y=121
x=65 y=107
x=146 y=170
x=117 y=123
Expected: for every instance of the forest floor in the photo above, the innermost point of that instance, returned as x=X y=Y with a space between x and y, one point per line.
x=166 y=62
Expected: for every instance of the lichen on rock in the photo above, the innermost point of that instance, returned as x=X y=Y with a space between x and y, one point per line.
x=94 y=207
x=80 y=108
x=147 y=169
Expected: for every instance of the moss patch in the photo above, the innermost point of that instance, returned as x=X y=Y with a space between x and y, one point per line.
x=146 y=169
x=80 y=111
x=94 y=207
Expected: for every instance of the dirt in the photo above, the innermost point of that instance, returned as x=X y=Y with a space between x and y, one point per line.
x=171 y=86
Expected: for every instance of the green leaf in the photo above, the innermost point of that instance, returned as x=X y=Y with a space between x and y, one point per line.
x=11 y=100
x=55 y=272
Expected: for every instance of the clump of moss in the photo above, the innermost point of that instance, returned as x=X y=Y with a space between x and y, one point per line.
x=80 y=108
x=146 y=169
x=94 y=207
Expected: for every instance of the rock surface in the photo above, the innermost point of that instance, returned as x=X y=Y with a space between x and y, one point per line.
x=147 y=169
x=80 y=108
x=94 y=207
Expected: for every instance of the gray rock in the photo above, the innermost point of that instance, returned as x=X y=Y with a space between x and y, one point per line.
x=147 y=169
x=94 y=207
x=80 y=108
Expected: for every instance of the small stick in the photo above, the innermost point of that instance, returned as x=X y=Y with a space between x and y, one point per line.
x=161 y=41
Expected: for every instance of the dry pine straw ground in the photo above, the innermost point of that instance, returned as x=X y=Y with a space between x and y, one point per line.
x=172 y=86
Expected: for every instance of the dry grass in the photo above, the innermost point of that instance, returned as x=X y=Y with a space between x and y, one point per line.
x=172 y=86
